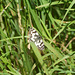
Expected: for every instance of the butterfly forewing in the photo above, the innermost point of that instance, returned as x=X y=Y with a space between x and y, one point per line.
x=36 y=38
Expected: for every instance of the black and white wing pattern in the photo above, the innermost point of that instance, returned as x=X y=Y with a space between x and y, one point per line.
x=36 y=38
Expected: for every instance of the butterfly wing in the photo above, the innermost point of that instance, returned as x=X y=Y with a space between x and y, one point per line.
x=36 y=38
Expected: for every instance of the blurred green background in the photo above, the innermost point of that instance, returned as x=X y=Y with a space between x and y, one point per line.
x=55 y=22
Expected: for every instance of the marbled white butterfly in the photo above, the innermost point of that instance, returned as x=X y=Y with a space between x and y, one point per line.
x=36 y=38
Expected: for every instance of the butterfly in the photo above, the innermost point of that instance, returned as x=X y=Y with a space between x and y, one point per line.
x=36 y=38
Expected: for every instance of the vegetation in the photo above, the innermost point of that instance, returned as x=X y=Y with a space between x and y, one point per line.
x=55 y=22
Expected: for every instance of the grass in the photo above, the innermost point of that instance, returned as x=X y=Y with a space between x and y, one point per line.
x=54 y=21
